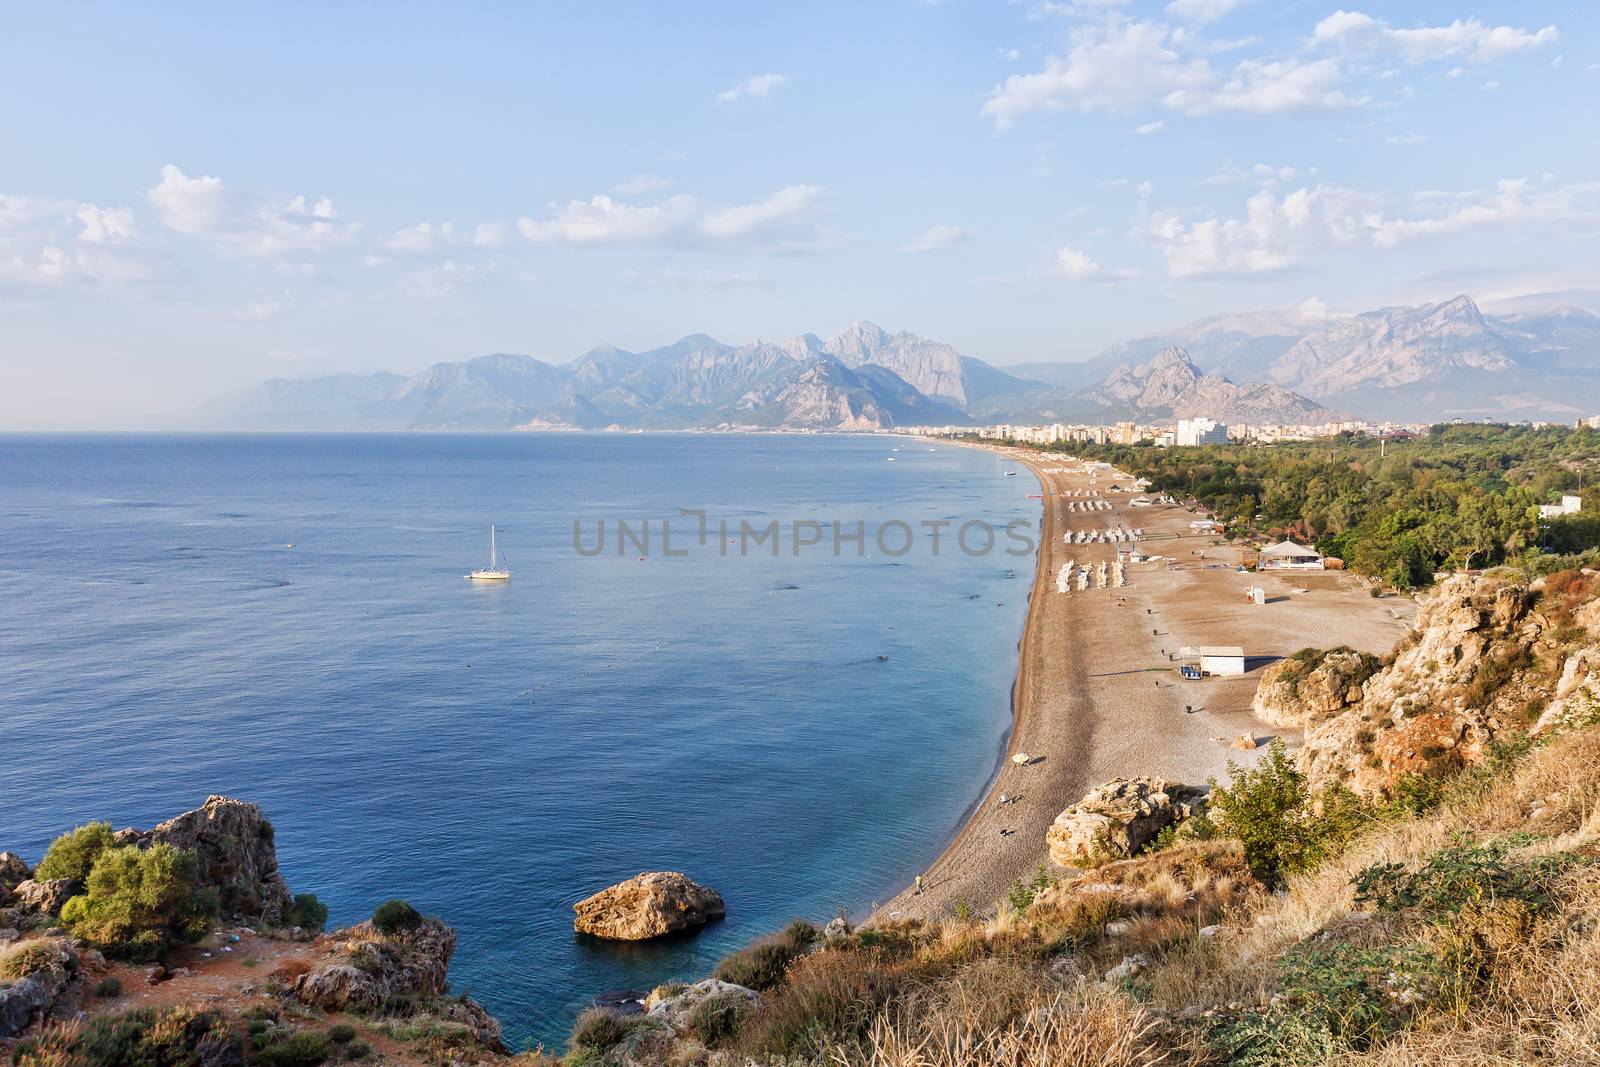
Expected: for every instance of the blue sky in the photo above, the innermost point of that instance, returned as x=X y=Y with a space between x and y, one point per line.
x=193 y=198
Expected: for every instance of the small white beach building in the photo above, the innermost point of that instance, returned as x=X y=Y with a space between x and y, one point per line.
x=1225 y=660
x=1288 y=556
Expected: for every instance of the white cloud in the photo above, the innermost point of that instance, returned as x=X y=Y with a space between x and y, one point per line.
x=1202 y=10
x=1471 y=39
x=56 y=243
x=442 y=279
x=1489 y=86
x=1269 y=89
x=1513 y=201
x=640 y=184
x=757 y=85
x=288 y=230
x=1117 y=67
x=426 y=238
x=780 y=221
x=935 y=238
x=1151 y=127
x=1272 y=236
x=1078 y=265
x=1110 y=68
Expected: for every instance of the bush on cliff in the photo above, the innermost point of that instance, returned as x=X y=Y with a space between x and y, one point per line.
x=137 y=901
x=307 y=912
x=597 y=1029
x=395 y=917
x=762 y=965
x=72 y=855
x=145 y=1037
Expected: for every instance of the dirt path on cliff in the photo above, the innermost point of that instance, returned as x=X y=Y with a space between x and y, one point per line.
x=1097 y=694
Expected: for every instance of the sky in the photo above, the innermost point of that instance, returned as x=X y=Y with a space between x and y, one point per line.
x=194 y=198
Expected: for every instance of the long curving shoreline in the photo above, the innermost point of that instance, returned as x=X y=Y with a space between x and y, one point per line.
x=1096 y=694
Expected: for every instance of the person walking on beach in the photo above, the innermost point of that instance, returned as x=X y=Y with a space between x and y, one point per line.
x=919 y=885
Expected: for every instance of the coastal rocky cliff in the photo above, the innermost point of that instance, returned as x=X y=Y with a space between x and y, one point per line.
x=193 y=921
x=1490 y=657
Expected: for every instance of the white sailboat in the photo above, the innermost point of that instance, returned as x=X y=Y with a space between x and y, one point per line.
x=494 y=572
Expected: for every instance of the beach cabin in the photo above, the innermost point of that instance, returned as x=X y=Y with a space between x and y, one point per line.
x=1288 y=556
x=1224 y=660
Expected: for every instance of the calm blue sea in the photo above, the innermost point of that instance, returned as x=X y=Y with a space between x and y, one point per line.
x=802 y=733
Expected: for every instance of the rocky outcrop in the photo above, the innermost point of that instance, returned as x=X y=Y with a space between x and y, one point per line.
x=233 y=843
x=1454 y=686
x=367 y=971
x=676 y=1008
x=1312 y=685
x=44 y=898
x=648 y=905
x=44 y=971
x=364 y=968
x=1118 y=819
x=13 y=872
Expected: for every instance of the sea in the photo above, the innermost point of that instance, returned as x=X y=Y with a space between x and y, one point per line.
x=285 y=619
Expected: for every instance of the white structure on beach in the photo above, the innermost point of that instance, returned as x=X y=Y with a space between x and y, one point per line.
x=1288 y=556
x=1227 y=660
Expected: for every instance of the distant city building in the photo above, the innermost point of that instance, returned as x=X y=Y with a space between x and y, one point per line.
x=1592 y=422
x=1200 y=432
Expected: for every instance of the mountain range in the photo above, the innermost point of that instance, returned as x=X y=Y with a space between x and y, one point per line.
x=1540 y=360
x=1408 y=363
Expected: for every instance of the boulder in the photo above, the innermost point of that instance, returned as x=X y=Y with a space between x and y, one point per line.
x=837 y=931
x=677 y=1010
x=1119 y=818
x=43 y=898
x=1312 y=685
x=648 y=905
x=233 y=843
x=364 y=970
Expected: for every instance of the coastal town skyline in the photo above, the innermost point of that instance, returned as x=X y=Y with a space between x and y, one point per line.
x=1028 y=181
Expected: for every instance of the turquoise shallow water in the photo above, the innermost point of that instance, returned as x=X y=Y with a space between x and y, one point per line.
x=802 y=732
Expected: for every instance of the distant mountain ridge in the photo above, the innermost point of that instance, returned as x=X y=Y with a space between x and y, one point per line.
x=1412 y=364
x=1433 y=361
x=863 y=378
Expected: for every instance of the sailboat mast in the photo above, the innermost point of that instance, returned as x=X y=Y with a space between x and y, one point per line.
x=494 y=552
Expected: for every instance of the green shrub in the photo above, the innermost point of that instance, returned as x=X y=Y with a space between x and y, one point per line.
x=357 y=1050
x=108 y=988
x=1268 y=809
x=395 y=916
x=307 y=912
x=762 y=964
x=598 y=1029
x=341 y=1033
x=1022 y=894
x=137 y=900
x=302 y=1048
x=72 y=855
x=1331 y=1000
x=719 y=1016
x=1464 y=875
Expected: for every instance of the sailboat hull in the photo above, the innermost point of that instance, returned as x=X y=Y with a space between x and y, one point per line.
x=490 y=576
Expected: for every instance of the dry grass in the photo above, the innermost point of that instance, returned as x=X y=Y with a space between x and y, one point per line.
x=1002 y=1015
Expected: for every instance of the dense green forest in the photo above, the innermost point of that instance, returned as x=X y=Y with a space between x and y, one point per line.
x=1457 y=497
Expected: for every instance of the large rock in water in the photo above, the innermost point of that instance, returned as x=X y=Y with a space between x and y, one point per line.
x=1118 y=819
x=648 y=905
x=233 y=843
